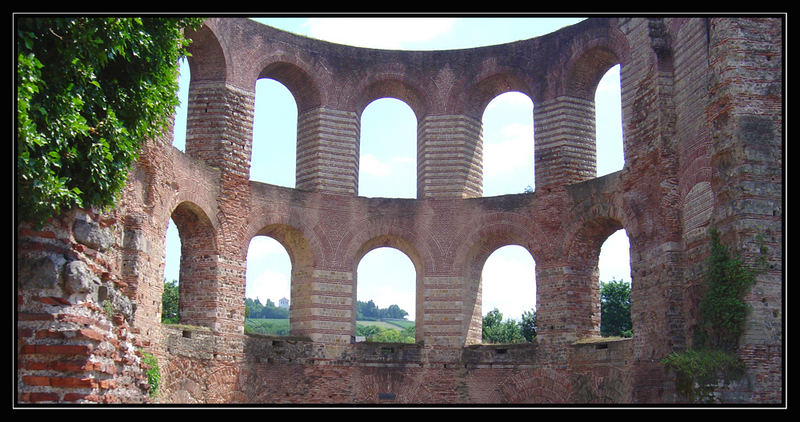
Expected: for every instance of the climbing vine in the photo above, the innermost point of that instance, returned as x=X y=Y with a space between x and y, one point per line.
x=722 y=315
x=152 y=372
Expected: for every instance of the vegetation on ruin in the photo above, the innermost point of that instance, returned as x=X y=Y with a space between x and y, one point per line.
x=152 y=372
x=722 y=314
x=90 y=90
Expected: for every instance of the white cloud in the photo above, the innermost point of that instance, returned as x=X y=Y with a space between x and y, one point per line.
x=509 y=282
x=263 y=246
x=268 y=285
x=513 y=151
x=386 y=33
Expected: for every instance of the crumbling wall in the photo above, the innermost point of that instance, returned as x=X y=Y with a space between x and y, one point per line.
x=702 y=119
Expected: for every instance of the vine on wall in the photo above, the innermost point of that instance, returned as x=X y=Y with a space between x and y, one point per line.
x=723 y=311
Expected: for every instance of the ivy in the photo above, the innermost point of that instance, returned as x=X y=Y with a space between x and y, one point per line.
x=152 y=372
x=89 y=91
x=722 y=315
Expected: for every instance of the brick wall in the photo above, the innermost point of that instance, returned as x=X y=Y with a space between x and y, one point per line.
x=702 y=108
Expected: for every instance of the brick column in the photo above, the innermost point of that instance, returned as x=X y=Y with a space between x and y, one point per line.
x=565 y=150
x=449 y=157
x=220 y=132
x=327 y=151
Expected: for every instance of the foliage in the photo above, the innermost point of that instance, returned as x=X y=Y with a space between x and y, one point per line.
x=169 y=303
x=721 y=323
x=497 y=331
x=528 y=325
x=698 y=371
x=152 y=372
x=272 y=327
x=254 y=309
x=388 y=335
x=615 y=309
x=89 y=91
x=369 y=311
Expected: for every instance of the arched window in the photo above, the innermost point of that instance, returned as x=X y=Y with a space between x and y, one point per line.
x=386 y=299
x=608 y=116
x=179 y=129
x=172 y=265
x=388 y=150
x=272 y=158
x=508 y=286
x=615 y=274
x=268 y=287
x=508 y=145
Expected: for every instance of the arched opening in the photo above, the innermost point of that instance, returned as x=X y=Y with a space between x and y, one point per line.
x=608 y=126
x=508 y=164
x=615 y=286
x=179 y=128
x=387 y=163
x=274 y=145
x=267 y=287
x=197 y=268
x=170 y=298
x=386 y=300
x=508 y=296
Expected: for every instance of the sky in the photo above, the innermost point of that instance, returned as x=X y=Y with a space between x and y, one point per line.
x=388 y=157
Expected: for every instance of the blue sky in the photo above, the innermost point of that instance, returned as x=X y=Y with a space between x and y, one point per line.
x=388 y=157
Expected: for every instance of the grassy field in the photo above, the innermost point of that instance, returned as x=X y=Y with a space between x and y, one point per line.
x=280 y=327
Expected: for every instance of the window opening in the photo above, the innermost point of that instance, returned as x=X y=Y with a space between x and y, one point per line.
x=181 y=110
x=508 y=296
x=608 y=126
x=616 y=283
x=273 y=155
x=267 y=288
x=388 y=150
x=386 y=300
x=508 y=165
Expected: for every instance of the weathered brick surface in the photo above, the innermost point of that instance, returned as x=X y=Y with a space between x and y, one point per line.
x=702 y=119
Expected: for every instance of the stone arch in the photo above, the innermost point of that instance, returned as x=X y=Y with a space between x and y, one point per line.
x=391 y=86
x=208 y=60
x=494 y=231
x=583 y=245
x=297 y=246
x=295 y=77
x=199 y=259
x=480 y=94
x=407 y=248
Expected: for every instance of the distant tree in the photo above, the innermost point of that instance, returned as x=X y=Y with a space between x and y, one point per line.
x=615 y=309
x=495 y=330
x=528 y=325
x=169 y=302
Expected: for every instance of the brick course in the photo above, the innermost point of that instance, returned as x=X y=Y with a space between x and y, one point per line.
x=702 y=120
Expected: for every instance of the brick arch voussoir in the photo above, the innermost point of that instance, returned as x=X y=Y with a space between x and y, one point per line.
x=591 y=59
x=594 y=225
x=358 y=243
x=298 y=75
x=208 y=60
x=390 y=84
x=474 y=99
x=193 y=222
x=301 y=242
x=490 y=233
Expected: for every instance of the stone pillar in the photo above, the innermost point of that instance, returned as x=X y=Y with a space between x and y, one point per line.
x=449 y=157
x=565 y=150
x=322 y=306
x=327 y=151
x=219 y=132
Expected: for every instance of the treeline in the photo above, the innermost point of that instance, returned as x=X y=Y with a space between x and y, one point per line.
x=368 y=311
x=254 y=309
